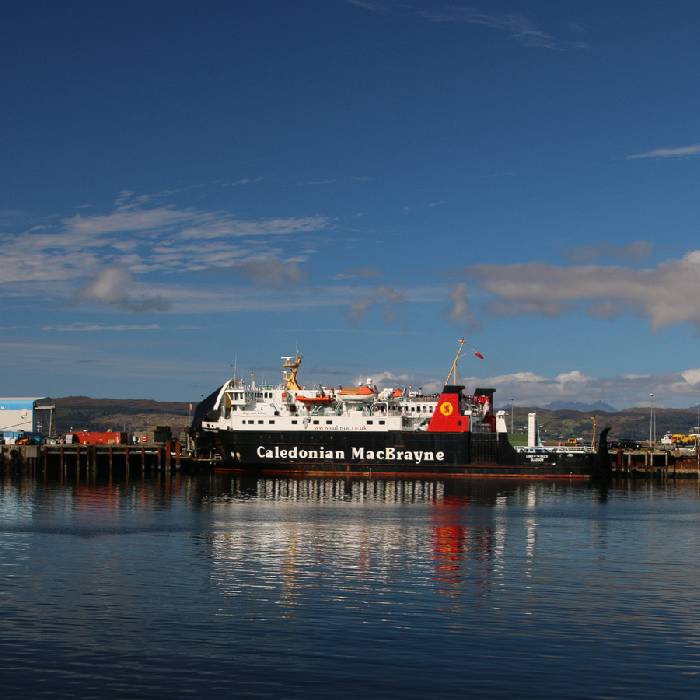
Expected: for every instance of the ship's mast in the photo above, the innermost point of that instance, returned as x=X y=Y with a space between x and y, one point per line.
x=290 y=369
x=454 y=368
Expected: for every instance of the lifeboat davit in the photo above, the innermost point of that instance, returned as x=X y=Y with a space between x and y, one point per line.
x=357 y=393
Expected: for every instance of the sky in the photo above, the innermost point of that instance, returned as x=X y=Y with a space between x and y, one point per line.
x=192 y=189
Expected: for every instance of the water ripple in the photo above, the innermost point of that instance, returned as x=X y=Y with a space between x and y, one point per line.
x=210 y=586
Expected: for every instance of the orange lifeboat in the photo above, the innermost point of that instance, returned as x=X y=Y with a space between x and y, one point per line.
x=397 y=393
x=356 y=393
x=315 y=400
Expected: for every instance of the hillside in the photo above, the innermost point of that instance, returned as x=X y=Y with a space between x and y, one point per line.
x=85 y=413
x=628 y=423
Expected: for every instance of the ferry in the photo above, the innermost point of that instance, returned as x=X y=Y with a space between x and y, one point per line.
x=364 y=431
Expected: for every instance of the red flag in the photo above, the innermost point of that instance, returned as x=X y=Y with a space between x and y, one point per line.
x=478 y=354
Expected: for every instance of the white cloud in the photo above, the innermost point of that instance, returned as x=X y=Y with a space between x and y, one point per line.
x=223 y=226
x=138 y=237
x=666 y=294
x=677 y=152
x=128 y=220
x=115 y=286
x=370 y=5
x=228 y=298
x=383 y=296
x=384 y=379
x=100 y=327
x=357 y=272
x=691 y=376
x=460 y=311
x=273 y=272
x=244 y=181
x=637 y=250
x=517 y=26
x=573 y=377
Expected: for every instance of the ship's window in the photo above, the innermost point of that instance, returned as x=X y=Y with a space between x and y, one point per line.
x=260 y=422
x=382 y=422
x=315 y=422
x=370 y=422
x=329 y=422
x=294 y=421
x=277 y=413
x=270 y=422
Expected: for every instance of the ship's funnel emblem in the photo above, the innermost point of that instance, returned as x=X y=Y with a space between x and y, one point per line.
x=446 y=409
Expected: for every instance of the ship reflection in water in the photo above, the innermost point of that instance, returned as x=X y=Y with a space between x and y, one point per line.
x=212 y=586
x=452 y=536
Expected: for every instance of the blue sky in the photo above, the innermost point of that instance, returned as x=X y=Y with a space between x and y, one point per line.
x=188 y=185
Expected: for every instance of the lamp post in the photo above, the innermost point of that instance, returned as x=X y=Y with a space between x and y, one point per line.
x=512 y=410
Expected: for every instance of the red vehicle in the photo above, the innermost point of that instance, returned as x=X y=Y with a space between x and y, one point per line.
x=108 y=437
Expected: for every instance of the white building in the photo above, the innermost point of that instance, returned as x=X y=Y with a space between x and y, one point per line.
x=19 y=414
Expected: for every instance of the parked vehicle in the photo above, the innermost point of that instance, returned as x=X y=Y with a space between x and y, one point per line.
x=27 y=438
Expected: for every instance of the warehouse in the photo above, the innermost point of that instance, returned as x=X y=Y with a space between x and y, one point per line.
x=22 y=414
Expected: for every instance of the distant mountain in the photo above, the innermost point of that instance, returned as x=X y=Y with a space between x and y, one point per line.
x=580 y=406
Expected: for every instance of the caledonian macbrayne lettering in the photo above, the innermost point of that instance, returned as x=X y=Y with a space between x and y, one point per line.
x=389 y=454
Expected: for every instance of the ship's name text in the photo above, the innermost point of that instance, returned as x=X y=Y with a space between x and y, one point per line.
x=389 y=454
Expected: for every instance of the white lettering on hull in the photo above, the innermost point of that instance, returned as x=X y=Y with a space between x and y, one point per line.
x=389 y=454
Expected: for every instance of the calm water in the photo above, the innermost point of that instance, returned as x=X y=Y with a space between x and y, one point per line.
x=221 y=587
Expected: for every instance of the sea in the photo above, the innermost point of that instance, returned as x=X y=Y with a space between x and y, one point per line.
x=217 y=586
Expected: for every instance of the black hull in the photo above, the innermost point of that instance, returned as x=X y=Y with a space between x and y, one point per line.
x=394 y=453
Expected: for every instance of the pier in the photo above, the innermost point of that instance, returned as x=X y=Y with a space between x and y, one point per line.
x=655 y=463
x=91 y=459
x=171 y=456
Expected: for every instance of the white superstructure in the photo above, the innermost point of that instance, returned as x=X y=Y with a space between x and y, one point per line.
x=290 y=407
